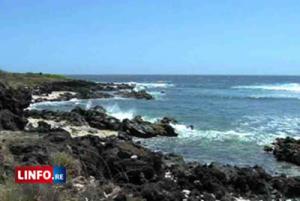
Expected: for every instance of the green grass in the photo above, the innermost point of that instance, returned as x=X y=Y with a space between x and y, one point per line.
x=30 y=80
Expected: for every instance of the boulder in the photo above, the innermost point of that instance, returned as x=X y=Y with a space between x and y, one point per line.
x=137 y=127
x=135 y=94
x=168 y=120
x=97 y=118
x=287 y=149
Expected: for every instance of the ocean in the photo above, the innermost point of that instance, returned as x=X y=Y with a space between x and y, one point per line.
x=233 y=117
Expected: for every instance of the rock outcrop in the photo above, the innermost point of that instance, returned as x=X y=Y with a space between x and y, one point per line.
x=134 y=172
x=135 y=94
x=98 y=118
x=286 y=149
x=12 y=104
x=80 y=89
x=139 y=128
x=14 y=100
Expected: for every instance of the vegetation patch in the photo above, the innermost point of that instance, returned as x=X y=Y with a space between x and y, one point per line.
x=30 y=80
x=72 y=165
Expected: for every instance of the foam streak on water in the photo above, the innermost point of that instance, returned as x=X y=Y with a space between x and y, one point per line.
x=291 y=87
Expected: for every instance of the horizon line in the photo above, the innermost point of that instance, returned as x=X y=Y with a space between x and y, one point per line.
x=126 y=74
x=153 y=74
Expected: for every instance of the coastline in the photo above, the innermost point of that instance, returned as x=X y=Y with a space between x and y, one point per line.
x=140 y=172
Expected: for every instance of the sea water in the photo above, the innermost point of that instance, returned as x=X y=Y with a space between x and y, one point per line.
x=233 y=116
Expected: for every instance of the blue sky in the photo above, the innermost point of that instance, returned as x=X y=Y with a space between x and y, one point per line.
x=150 y=37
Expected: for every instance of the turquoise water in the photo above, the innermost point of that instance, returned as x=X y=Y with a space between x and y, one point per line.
x=233 y=116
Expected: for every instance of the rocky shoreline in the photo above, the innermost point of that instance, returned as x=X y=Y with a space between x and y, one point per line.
x=80 y=89
x=102 y=160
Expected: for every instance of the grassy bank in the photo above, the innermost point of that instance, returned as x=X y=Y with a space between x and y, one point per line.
x=30 y=80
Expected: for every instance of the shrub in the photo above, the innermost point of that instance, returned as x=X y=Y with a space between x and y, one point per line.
x=66 y=160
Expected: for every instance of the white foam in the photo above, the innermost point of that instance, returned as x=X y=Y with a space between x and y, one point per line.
x=275 y=96
x=89 y=104
x=241 y=199
x=115 y=111
x=291 y=87
x=54 y=95
x=33 y=106
x=152 y=84
x=149 y=85
x=258 y=129
x=158 y=95
x=214 y=135
x=259 y=136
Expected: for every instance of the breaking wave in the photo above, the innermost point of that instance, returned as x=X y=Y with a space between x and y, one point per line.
x=291 y=87
x=151 y=85
x=274 y=96
x=115 y=111
x=230 y=135
x=262 y=135
x=259 y=129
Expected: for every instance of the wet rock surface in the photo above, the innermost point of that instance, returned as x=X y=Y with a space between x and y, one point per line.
x=286 y=149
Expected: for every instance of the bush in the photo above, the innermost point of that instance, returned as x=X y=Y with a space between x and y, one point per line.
x=72 y=165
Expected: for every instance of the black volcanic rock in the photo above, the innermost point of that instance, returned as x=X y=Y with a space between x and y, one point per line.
x=43 y=127
x=146 y=175
x=14 y=100
x=120 y=169
x=68 y=85
x=168 y=120
x=82 y=89
x=11 y=121
x=135 y=94
x=287 y=149
x=71 y=117
x=97 y=118
x=139 y=128
x=12 y=104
